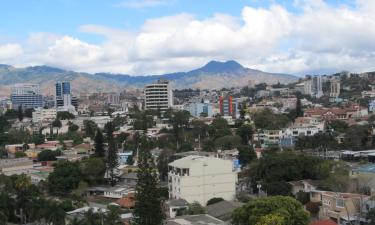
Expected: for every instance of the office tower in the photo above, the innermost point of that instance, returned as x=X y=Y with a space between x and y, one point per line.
x=158 y=95
x=227 y=105
x=63 y=94
x=26 y=95
x=318 y=87
x=335 y=88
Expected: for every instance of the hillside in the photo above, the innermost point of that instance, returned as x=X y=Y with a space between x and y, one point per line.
x=213 y=75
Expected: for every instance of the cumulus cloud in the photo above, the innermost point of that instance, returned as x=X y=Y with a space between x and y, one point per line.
x=8 y=52
x=319 y=38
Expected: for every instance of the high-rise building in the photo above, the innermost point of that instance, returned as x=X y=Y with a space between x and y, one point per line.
x=26 y=95
x=335 y=88
x=199 y=178
x=228 y=105
x=198 y=109
x=63 y=97
x=314 y=87
x=158 y=96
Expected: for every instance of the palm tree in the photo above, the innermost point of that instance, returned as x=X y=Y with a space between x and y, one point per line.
x=55 y=214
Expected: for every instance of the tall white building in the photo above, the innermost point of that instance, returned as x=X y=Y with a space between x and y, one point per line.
x=26 y=95
x=44 y=115
x=158 y=95
x=199 y=178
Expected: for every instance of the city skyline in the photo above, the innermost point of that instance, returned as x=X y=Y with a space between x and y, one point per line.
x=161 y=36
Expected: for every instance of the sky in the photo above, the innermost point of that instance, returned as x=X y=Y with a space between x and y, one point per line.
x=143 y=37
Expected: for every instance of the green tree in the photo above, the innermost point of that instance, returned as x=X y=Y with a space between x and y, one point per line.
x=370 y=216
x=228 y=142
x=299 y=111
x=55 y=214
x=57 y=123
x=164 y=158
x=92 y=169
x=246 y=154
x=48 y=155
x=254 y=212
x=148 y=207
x=90 y=128
x=186 y=147
x=72 y=127
x=20 y=154
x=112 y=217
x=195 y=208
x=303 y=197
x=268 y=120
x=99 y=145
x=112 y=159
x=219 y=128
x=64 y=178
x=65 y=116
x=246 y=132
x=338 y=126
x=20 y=113
x=272 y=219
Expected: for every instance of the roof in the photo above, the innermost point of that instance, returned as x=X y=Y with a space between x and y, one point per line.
x=188 y=161
x=202 y=219
x=366 y=169
x=223 y=209
x=323 y=222
x=127 y=202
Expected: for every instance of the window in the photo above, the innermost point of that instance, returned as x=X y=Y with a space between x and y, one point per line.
x=340 y=202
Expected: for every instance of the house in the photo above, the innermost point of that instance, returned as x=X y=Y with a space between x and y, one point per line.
x=223 y=210
x=174 y=205
x=118 y=191
x=130 y=179
x=202 y=219
x=84 y=148
x=303 y=185
x=127 y=202
x=200 y=178
x=339 y=207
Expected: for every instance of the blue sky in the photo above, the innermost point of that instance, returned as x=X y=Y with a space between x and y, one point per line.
x=60 y=24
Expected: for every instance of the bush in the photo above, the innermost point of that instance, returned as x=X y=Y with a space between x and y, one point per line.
x=214 y=200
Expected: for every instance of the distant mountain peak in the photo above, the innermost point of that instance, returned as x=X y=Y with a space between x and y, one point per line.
x=221 y=67
x=44 y=68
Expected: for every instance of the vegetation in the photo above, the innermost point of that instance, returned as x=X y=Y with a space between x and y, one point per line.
x=271 y=210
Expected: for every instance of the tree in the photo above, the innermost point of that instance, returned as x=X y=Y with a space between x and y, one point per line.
x=99 y=146
x=90 y=128
x=228 y=142
x=64 y=116
x=20 y=113
x=268 y=120
x=303 y=197
x=112 y=217
x=214 y=200
x=163 y=160
x=57 y=123
x=48 y=155
x=20 y=154
x=55 y=214
x=245 y=131
x=338 y=126
x=195 y=208
x=299 y=111
x=73 y=127
x=186 y=147
x=92 y=169
x=112 y=160
x=246 y=154
x=148 y=207
x=258 y=211
x=357 y=137
x=371 y=216
x=64 y=178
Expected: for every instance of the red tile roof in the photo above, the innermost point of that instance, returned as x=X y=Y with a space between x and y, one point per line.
x=323 y=222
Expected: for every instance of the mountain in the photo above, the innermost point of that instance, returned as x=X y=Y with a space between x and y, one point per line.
x=214 y=74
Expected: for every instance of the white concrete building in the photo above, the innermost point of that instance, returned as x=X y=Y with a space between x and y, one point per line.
x=158 y=95
x=41 y=115
x=200 y=178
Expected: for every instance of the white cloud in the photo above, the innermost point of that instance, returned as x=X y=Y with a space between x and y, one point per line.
x=8 y=52
x=319 y=38
x=141 y=4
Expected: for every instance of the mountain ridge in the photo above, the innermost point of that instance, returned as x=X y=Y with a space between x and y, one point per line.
x=214 y=74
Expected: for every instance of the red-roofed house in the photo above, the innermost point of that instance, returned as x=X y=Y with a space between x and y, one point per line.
x=323 y=222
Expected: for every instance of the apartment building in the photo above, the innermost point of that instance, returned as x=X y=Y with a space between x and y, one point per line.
x=26 y=95
x=41 y=115
x=200 y=178
x=158 y=96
